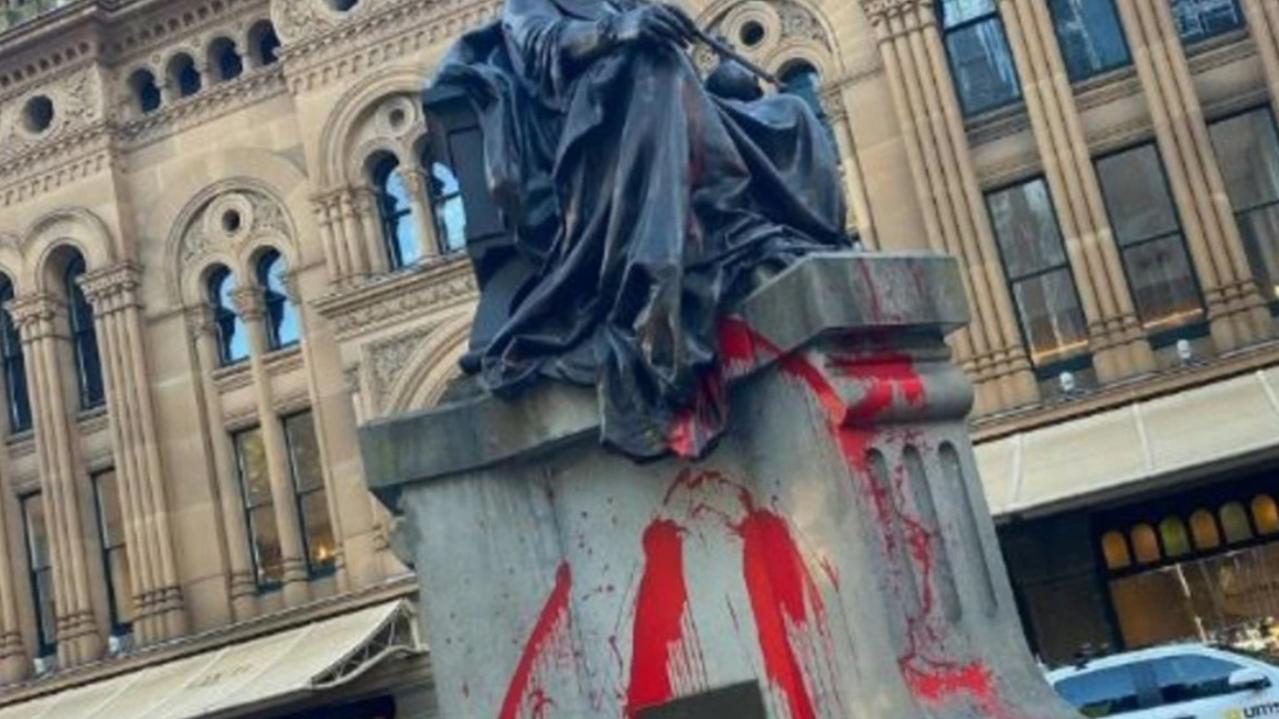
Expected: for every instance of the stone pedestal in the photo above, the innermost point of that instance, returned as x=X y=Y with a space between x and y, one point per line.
x=833 y=557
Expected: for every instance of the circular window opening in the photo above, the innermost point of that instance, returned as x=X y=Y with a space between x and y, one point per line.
x=343 y=5
x=37 y=116
x=752 y=33
x=397 y=118
x=231 y=222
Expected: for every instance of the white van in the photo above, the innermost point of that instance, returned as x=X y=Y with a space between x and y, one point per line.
x=1186 y=681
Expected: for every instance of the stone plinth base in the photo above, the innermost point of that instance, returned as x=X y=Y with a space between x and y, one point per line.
x=832 y=558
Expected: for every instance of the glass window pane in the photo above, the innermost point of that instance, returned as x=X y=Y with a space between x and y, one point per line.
x=1234 y=520
x=1175 y=538
x=1114 y=546
x=120 y=579
x=955 y=12
x=1265 y=514
x=1163 y=283
x=251 y=455
x=320 y=543
x=1259 y=229
x=405 y=230
x=1201 y=19
x=982 y=65
x=304 y=451
x=1050 y=315
x=112 y=522
x=1191 y=677
x=45 y=608
x=1204 y=528
x=1247 y=148
x=1026 y=228
x=37 y=532
x=1101 y=693
x=1090 y=35
x=268 y=557
x=1145 y=544
x=1137 y=195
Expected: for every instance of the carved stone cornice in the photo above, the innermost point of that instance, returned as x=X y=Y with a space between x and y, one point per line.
x=46 y=167
x=439 y=285
x=210 y=104
x=112 y=289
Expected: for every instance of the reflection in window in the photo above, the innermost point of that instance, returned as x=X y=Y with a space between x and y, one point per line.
x=1091 y=38
x=40 y=573
x=146 y=92
x=225 y=60
x=1190 y=677
x=1176 y=540
x=15 y=366
x=184 y=75
x=1203 y=527
x=282 y=324
x=1247 y=147
x=264 y=44
x=395 y=207
x=1234 y=522
x=1148 y=232
x=980 y=59
x=84 y=338
x=1201 y=19
x=233 y=340
x=1102 y=692
x=1114 y=547
x=115 y=561
x=446 y=205
x=308 y=487
x=1145 y=545
x=1265 y=514
x=259 y=509
x=1040 y=278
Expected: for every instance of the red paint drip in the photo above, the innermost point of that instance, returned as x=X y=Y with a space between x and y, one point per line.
x=664 y=646
x=553 y=618
x=781 y=593
x=693 y=427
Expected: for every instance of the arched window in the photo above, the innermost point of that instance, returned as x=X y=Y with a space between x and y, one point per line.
x=264 y=44
x=1145 y=545
x=1203 y=526
x=403 y=247
x=981 y=61
x=15 y=366
x=1175 y=538
x=184 y=76
x=233 y=341
x=1114 y=547
x=282 y=328
x=84 y=338
x=225 y=60
x=1265 y=514
x=1234 y=520
x=145 y=90
x=446 y=205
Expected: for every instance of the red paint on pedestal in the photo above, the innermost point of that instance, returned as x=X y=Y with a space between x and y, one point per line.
x=524 y=686
x=665 y=653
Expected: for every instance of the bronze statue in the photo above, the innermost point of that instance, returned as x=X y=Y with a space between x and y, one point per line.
x=642 y=199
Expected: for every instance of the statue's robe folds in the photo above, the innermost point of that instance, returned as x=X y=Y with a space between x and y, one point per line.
x=646 y=204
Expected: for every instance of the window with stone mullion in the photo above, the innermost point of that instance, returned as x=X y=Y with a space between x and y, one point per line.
x=318 y=538
x=84 y=338
x=980 y=59
x=1247 y=149
x=259 y=509
x=15 y=366
x=40 y=573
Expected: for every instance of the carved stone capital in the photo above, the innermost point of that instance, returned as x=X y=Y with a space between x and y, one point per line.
x=879 y=11
x=200 y=320
x=112 y=288
x=249 y=303
x=34 y=314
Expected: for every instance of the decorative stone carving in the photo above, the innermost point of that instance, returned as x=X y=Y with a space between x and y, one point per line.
x=387 y=359
x=880 y=10
x=400 y=305
x=798 y=22
x=76 y=101
x=299 y=20
x=231 y=219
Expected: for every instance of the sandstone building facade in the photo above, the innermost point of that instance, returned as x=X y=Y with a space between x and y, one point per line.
x=226 y=240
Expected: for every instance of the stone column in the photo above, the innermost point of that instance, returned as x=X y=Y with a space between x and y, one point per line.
x=954 y=210
x=364 y=204
x=1237 y=312
x=859 y=217
x=39 y=317
x=14 y=665
x=418 y=184
x=334 y=258
x=1263 y=24
x=117 y=315
x=353 y=230
x=1117 y=339
x=251 y=307
x=241 y=584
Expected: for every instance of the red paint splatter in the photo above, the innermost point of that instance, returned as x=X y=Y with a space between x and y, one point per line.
x=781 y=593
x=552 y=619
x=664 y=646
x=694 y=427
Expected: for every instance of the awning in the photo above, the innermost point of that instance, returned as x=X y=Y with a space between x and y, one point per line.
x=268 y=669
x=1134 y=447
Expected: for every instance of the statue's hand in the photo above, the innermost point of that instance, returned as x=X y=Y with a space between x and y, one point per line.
x=653 y=23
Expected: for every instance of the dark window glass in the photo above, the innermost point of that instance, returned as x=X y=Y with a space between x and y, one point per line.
x=1090 y=35
x=265 y=43
x=223 y=56
x=1038 y=270
x=259 y=509
x=40 y=568
x=146 y=91
x=1189 y=677
x=446 y=203
x=233 y=340
x=308 y=487
x=395 y=207
x=1201 y=19
x=15 y=366
x=1148 y=232
x=980 y=59
x=185 y=75
x=283 y=326
x=84 y=338
x=1101 y=693
x=115 y=561
x=1247 y=148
